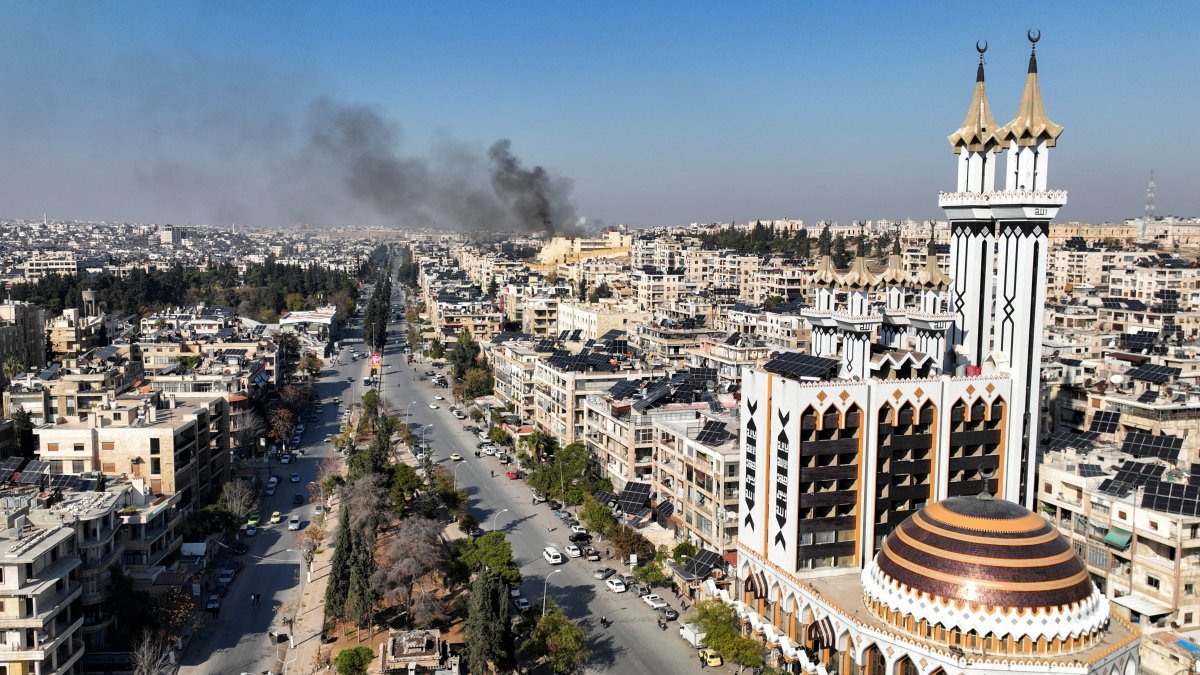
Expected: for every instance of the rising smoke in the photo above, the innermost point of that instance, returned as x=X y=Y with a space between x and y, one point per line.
x=357 y=148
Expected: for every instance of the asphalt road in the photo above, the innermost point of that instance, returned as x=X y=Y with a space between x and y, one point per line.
x=633 y=643
x=237 y=640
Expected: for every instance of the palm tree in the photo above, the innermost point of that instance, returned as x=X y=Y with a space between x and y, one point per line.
x=541 y=444
x=11 y=368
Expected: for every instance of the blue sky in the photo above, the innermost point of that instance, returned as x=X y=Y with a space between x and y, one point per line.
x=660 y=113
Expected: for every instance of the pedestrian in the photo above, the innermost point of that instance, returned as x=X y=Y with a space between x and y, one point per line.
x=253 y=598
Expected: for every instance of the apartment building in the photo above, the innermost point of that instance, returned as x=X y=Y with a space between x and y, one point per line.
x=727 y=357
x=22 y=333
x=514 y=361
x=179 y=446
x=696 y=470
x=73 y=333
x=619 y=421
x=666 y=342
x=594 y=319
x=39 y=596
x=38 y=265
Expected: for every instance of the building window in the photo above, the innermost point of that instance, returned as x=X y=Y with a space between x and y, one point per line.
x=108 y=445
x=52 y=447
x=1152 y=582
x=1187 y=617
x=78 y=447
x=1153 y=525
x=154 y=446
x=155 y=466
x=1122 y=515
x=1189 y=589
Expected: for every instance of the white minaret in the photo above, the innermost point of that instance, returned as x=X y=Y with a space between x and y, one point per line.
x=930 y=324
x=1023 y=212
x=896 y=281
x=820 y=316
x=858 y=321
x=972 y=237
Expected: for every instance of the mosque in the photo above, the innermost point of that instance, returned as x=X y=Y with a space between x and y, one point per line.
x=887 y=475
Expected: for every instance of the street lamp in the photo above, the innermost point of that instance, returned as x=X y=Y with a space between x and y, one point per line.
x=425 y=428
x=456 y=468
x=495 y=517
x=406 y=408
x=544 y=585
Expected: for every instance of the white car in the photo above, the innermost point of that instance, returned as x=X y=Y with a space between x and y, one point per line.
x=615 y=585
x=578 y=529
x=296 y=479
x=433 y=405
x=489 y=450
x=521 y=604
x=294 y=523
x=572 y=550
x=439 y=397
x=654 y=600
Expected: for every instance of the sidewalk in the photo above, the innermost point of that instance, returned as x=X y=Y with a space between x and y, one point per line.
x=309 y=654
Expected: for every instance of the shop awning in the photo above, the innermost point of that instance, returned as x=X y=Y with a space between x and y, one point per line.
x=1118 y=538
x=1139 y=604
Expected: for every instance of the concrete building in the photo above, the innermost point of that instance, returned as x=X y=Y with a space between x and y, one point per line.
x=22 y=334
x=696 y=471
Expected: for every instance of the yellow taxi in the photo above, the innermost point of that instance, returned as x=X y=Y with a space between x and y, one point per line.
x=710 y=657
x=276 y=517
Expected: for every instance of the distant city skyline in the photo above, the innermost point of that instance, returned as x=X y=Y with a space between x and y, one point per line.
x=385 y=114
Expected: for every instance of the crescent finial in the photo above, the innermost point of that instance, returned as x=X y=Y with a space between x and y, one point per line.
x=1033 y=38
x=982 y=49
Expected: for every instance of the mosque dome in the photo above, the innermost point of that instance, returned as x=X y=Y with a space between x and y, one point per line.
x=988 y=566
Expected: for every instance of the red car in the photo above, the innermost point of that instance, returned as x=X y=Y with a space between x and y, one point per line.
x=513 y=475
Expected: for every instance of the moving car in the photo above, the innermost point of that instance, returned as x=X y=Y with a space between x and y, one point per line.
x=654 y=600
x=604 y=573
x=455 y=457
x=615 y=585
x=552 y=555
x=294 y=523
x=298 y=499
x=295 y=477
x=226 y=576
x=270 y=491
x=488 y=449
x=285 y=458
x=276 y=517
x=572 y=550
x=251 y=530
x=253 y=519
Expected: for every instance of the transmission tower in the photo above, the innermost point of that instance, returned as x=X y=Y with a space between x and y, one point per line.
x=1148 y=216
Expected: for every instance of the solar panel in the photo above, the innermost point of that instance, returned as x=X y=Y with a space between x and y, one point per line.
x=64 y=481
x=1141 y=444
x=1090 y=471
x=33 y=473
x=575 y=334
x=10 y=466
x=106 y=353
x=1149 y=372
x=1176 y=498
x=803 y=366
x=1104 y=422
x=49 y=373
x=713 y=432
x=1066 y=439
x=634 y=497
x=89 y=485
x=703 y=376
x=655 y=393
x=1130 y=476
x=624 y=389
x=603 y=497
x=1148 y=396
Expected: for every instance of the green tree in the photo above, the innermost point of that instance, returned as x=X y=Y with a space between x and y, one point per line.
x=23 y=431
x=598 y=517
x=600 y=292
x=491 y=551
x=825 y=240
x=405 y=483
x=684 y=551
x=583 y=289
x=488 y=630
x=492 y=289
x=568 y=477
x=718 y=622
x=436 y=350
x=651 y=573
x=463 y=355
x=842 y=255
x=541 y=444
x=499 y=436
x=311 y=364
x=478 y=382
x=354 y=661
x=339 y=569
x=11 y=369
x=772 y=302
x=557 y=640
x=627 y=541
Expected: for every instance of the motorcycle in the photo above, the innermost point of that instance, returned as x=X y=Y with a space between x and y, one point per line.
x=662 y=624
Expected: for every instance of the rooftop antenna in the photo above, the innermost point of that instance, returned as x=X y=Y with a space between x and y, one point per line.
x=1148 y=216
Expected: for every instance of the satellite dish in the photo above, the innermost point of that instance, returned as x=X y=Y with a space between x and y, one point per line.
x=1117 y=379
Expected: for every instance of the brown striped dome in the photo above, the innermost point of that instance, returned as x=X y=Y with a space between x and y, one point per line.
x=987 y=552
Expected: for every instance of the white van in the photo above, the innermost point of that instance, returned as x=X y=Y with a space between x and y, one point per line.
x=552 y=555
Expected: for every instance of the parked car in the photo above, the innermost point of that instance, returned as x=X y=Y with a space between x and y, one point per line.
x=710 y=657
x=580 y=537
x=554 y=504
x=433 y=405
x=640 y=589
x=439 y=397
x=654 y=600
x=615 y=585
x=538 y=497
x=320 y=510
x=521 y=604
x=214 y=602
x=253 y=519
x=221 y=589
x=512 y=475
x=572 y=551
x=604 y=573
x=579 y=529
x=562 y=514
x=591 y=554
x=226 y=576
x=668 y=613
